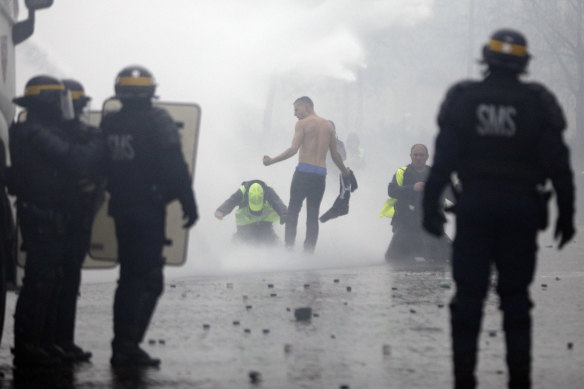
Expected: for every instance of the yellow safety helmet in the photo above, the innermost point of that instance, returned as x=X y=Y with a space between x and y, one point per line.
x=255 y=196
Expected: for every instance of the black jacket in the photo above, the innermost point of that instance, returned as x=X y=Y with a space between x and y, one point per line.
x=408 y=210
x=47 y=163
x=145 y=164
x=504 y=134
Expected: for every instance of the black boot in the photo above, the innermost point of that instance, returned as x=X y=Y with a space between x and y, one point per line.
x=33 y=325
x=134 y=304
x=129 y=354
x=28 y=355
x=75 y=353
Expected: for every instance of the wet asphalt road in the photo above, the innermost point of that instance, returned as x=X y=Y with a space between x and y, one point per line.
x=372 y=327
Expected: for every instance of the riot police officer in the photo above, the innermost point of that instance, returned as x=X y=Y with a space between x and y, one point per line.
x=146 y=170
x=503 y=137
x=43 y=176
x=87 y=197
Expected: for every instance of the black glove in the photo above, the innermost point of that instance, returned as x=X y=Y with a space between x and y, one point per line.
x=564 y=230
x=190 y=214
x=433 y=223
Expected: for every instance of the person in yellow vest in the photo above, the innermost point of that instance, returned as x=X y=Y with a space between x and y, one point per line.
x=259 y=208
x=405 y=191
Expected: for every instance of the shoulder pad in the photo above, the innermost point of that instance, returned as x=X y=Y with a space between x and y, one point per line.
x=451 y=95
x=165 y=125
x=555 y=116
x=458 y=88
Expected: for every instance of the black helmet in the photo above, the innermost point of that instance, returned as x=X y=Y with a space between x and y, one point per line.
x=507 y=49
x=135 y=83
x=42 y=89
x=46 y=92
x=77 y=94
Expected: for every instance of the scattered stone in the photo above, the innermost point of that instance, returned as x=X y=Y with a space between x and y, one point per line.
x=412 y=311
x=287 y=309
x=557 y=278
x=206 y=326
x=492 y=334
x=570 y=345
x=273 y=294
x=386 y=349
x=333 y=336
x=393 y=288
x=348 y=289
x=549 y=246
x=315 y=315
x=255 y=377
x=306 y=286
x=173 y=286
x=270 y=285
x=229 y=285
x=336 y=280
x=184 y=295
x=345 y=303
x=235 y=322
x=544 y=285
x=244 y=297
x=151 y=341
x=287 y=348
x=445 y=284
x=500 y=372
x=248 y=307
x=344 y=387
x=247 y=331
x=161 y=341
x=266 y=331
x=303 y=314
x=440 y=305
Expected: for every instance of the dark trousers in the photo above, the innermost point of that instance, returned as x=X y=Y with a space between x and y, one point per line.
x=307 y=186
x=140 y=234
x=409 y=242
x=493 y=229
x=260 y=233
x=77 y=246
x=35 y=315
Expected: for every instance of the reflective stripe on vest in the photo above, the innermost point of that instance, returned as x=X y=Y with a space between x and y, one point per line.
x=388 y=209
x=244 y=216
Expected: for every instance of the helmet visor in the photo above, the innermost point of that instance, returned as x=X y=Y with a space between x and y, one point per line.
x=67 y=105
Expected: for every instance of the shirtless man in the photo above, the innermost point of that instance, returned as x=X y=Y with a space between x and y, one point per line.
x=314 y=137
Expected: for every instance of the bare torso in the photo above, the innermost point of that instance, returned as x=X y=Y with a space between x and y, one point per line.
x=316 y=139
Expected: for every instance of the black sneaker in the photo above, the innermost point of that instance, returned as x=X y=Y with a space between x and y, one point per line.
x=75 y=353
x=133 y=357
x=35 y=356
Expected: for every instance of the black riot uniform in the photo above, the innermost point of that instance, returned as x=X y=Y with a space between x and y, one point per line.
x=146 y=170
x=504 y=138
x=43 y=177
x=87 y=197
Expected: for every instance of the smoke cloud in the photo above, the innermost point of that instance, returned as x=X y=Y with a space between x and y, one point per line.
x=230 y=56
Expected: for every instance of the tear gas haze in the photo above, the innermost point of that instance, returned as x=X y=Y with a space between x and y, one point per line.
x=376 y=68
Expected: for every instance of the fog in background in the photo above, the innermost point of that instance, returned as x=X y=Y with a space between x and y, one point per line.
x=376 y=68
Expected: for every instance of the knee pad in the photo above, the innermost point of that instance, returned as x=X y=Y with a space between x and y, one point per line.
x=466 y=312
x=516 y=312
x=154 y=282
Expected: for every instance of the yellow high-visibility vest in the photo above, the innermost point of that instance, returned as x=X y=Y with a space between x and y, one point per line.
x=388 y=209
